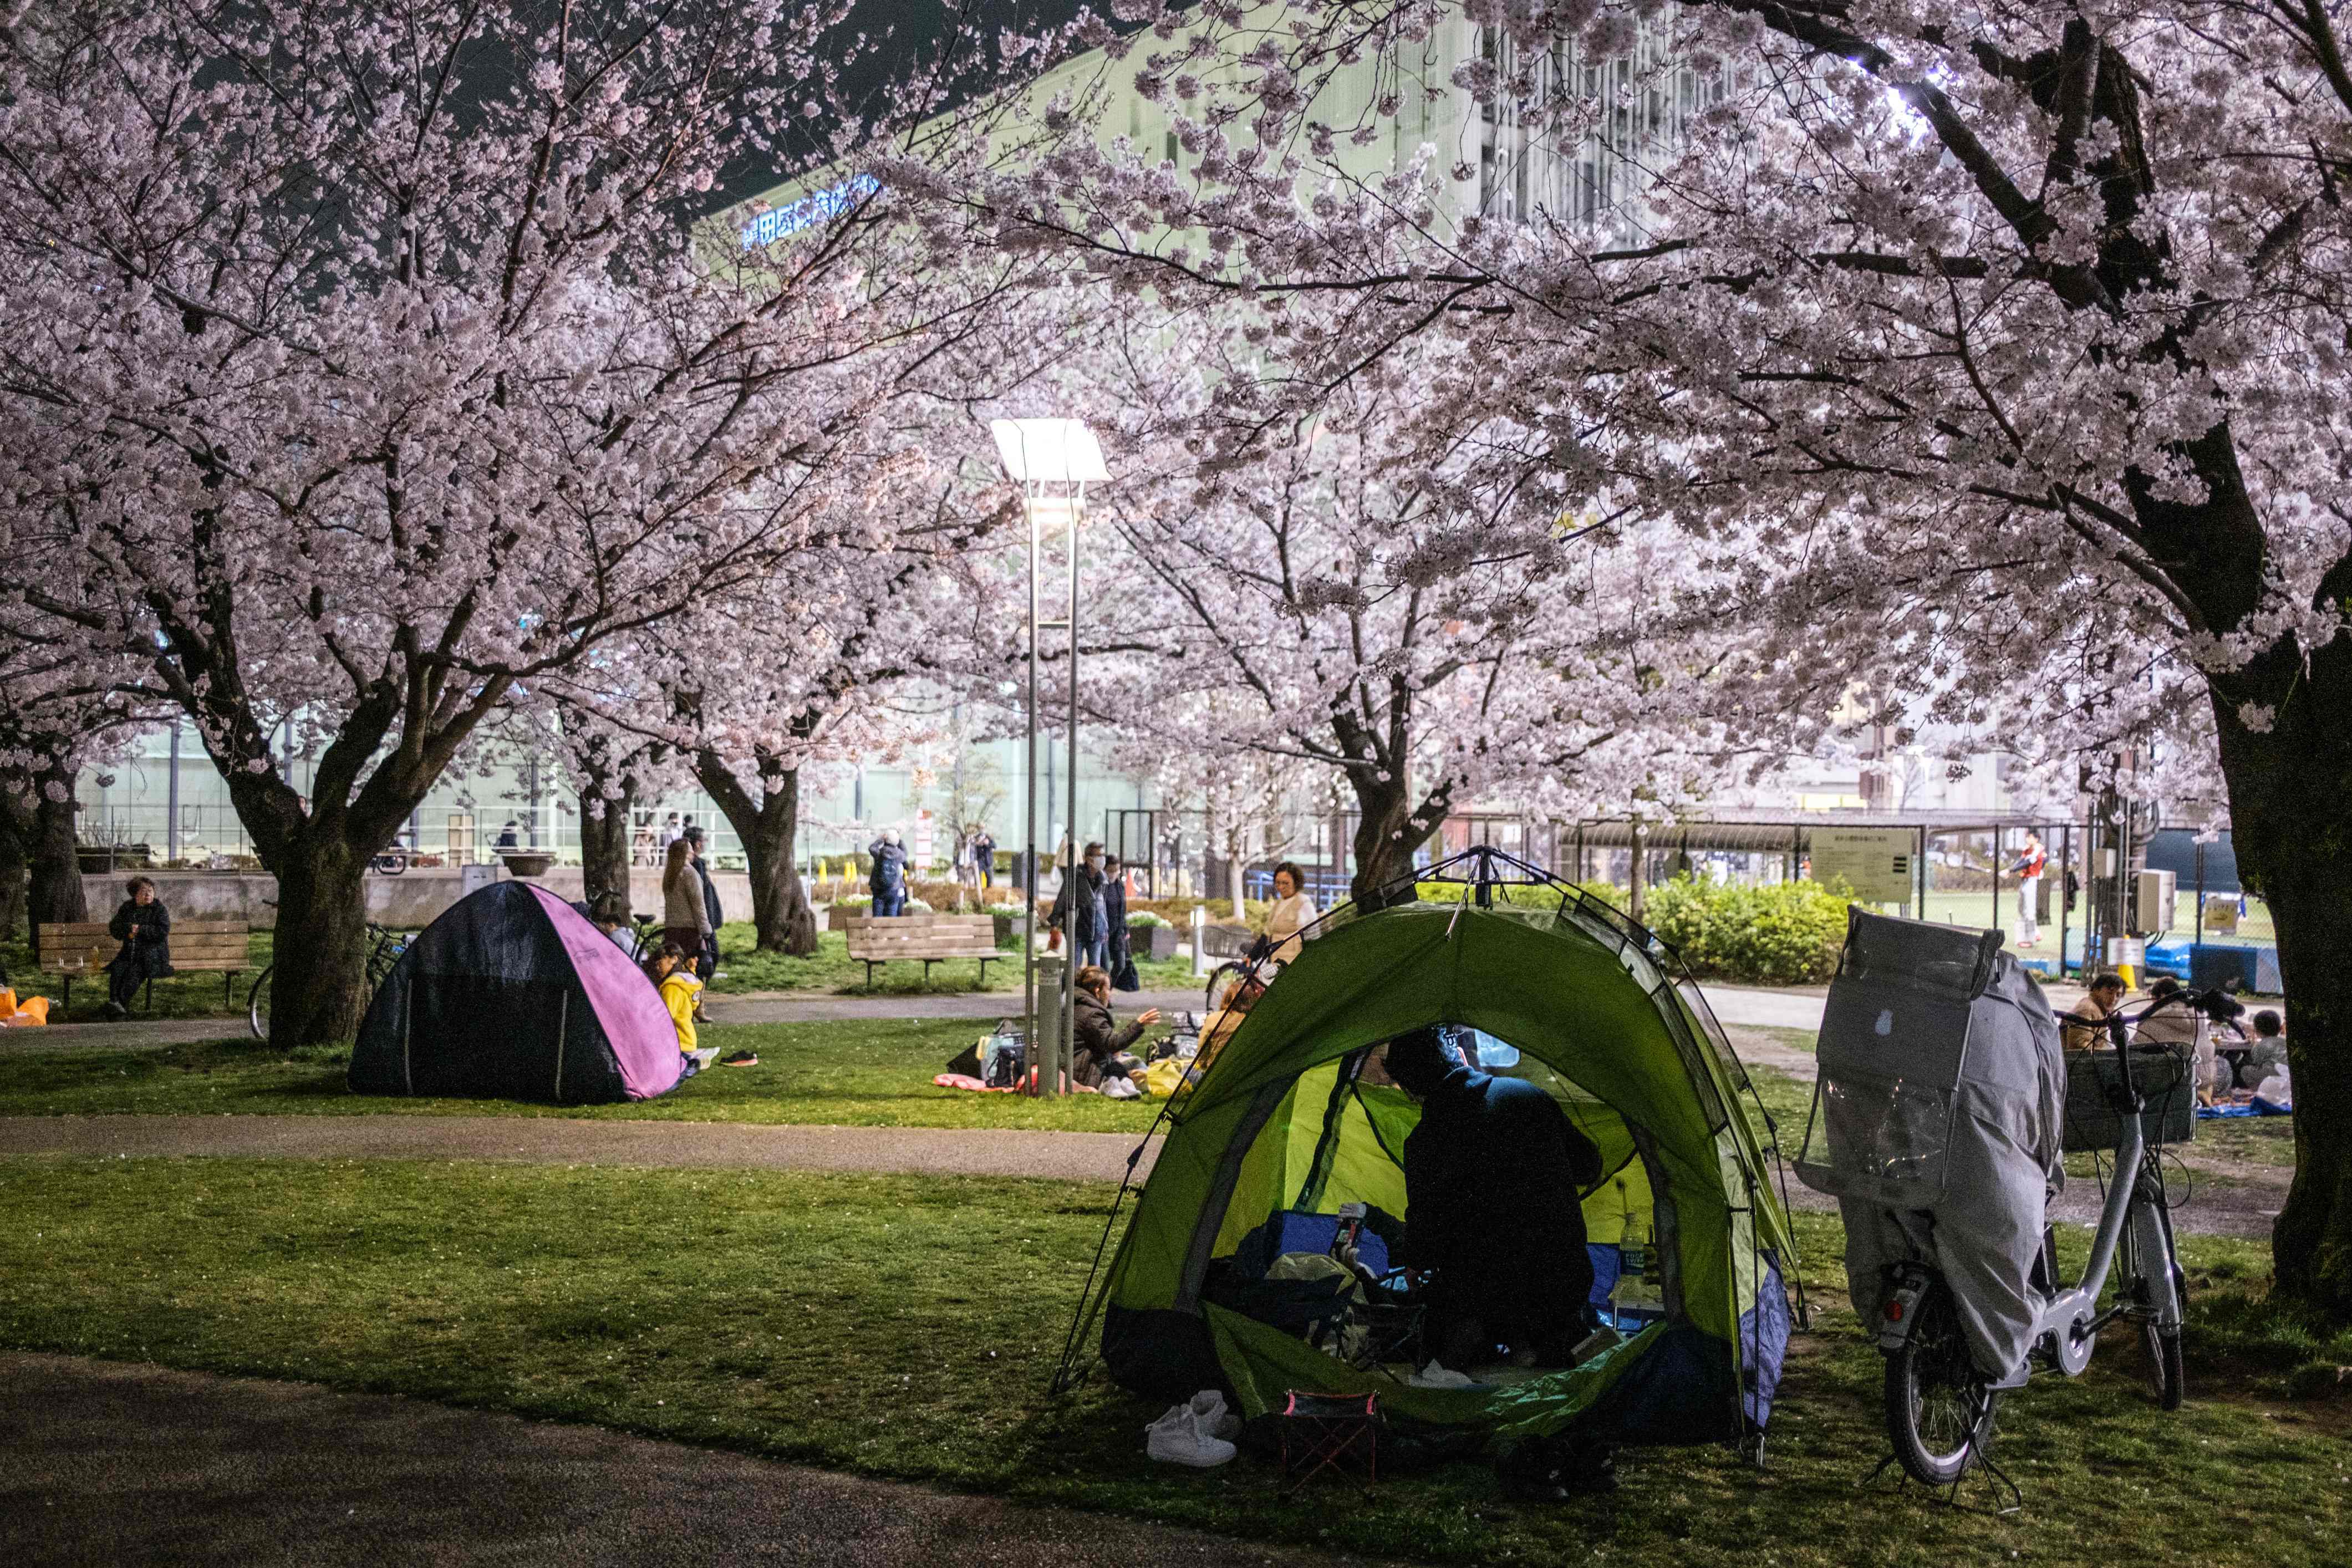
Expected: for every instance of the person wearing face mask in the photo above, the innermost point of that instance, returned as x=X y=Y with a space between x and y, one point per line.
x=1078 y=913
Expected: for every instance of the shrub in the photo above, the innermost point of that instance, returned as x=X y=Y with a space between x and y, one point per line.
x=1780 y=933
x=1144 y=920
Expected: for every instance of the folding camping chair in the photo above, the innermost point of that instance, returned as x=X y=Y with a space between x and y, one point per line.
x=1325 y=1431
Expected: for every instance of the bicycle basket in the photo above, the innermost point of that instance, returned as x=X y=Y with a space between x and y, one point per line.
x=2166 y=1079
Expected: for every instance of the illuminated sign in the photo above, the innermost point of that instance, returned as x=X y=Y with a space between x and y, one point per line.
x=831 y=202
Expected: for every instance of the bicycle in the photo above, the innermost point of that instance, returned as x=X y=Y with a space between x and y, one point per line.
x=385 y=948
x=1938 y=1405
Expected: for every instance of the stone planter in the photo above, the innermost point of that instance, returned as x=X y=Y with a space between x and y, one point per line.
x=837 y=916
x=527 y=865
x=1157 y=943
x=1009 y=929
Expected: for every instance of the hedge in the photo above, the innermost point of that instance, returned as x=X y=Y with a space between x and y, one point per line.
x=1778 y=933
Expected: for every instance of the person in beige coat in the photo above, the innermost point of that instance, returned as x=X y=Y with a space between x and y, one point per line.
x=686 y=918
x=1292 y=912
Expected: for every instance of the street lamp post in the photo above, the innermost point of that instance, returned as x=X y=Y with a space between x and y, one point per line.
x=1053 y=461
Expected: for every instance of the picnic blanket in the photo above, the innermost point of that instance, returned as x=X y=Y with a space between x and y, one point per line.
x=965 y=1080
x=2255 y=1106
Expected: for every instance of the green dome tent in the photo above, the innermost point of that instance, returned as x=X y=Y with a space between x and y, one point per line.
x=1283 y=1126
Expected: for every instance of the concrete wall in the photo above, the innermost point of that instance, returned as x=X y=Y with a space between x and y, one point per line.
x=405 y=902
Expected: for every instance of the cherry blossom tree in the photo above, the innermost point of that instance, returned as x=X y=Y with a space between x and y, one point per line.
x=370 y=374
x=1340 y=593
x=2026 y=320
x=60 y=711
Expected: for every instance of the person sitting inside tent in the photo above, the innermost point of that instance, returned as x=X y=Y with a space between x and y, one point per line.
x=1492 y=1176
x=1494 y=1173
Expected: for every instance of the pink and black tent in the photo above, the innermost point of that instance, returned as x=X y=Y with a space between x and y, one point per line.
x=511 y=995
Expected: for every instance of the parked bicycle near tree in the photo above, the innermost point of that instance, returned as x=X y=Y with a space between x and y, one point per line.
x=1941 y=1117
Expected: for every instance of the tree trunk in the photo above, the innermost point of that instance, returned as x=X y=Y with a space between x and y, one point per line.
x=769 y=827
x=2291 y=817
x=56 y=893
x=1389 y=831
x=318 y=974
x=15 y=841
x=604 y=847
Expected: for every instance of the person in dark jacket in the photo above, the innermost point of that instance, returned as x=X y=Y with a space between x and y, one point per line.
x=888 y=879
x=1493 y=1174
x=708 y=965
x=1100 y=1044
x=1077 y=912
x=1119 y=956
x=143 y=926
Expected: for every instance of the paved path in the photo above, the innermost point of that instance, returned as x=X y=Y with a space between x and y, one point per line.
x=107 y=1463
x=1736 y=1005
x=563 y=1141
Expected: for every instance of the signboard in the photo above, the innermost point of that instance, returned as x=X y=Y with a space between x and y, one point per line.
x=1875 y=862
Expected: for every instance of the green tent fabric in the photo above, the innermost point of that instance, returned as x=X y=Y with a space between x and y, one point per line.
x=1273 y=1127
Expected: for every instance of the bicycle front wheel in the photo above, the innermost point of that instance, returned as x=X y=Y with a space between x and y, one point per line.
x=256 y=1006
x=1938 y=1409
x=2159 y=1294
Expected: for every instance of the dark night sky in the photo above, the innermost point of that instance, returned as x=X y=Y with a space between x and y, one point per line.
x=914 y=30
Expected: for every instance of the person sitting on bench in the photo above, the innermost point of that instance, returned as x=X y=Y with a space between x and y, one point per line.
x=143 y=926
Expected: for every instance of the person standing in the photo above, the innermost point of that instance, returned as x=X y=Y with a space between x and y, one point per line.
x=1077 y=911
x=670 y=832
x=1292 y=912
x=887 y=881
x=2030 y=863
x=713 y=916
x=507 y=837
x=983 y=857
x=143 y=926
x=685 y=920
x=1119 y=954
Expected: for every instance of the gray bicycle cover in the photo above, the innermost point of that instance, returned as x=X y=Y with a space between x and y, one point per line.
x=1936 y=1121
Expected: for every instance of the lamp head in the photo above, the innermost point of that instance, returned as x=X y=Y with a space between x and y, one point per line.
x=1049 y=451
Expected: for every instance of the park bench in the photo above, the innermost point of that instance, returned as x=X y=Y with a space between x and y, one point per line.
x=72 y=950
x=879 y=939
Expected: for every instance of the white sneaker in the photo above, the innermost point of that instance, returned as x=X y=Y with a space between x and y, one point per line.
x=1176 y=1439
x=1208 y=1408
x=1437 y=1376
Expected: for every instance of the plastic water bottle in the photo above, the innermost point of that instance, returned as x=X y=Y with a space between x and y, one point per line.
x=1637 y=1299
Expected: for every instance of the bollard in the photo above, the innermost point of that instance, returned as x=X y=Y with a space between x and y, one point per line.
x=1045 y=1051
x=1200 y=941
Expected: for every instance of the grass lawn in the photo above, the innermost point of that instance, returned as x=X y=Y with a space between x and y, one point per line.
x=859 y=1073
x=831 y=969
x=906 y=1327
x=193 y=995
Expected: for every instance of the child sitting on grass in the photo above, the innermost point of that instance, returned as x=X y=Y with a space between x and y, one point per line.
x=681 y=993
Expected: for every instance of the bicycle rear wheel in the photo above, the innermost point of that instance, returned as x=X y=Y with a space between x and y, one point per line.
x=1938 y=1409
x=256 y=1006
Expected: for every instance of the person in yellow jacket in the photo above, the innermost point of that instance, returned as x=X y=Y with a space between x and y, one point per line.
x=681 y=995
